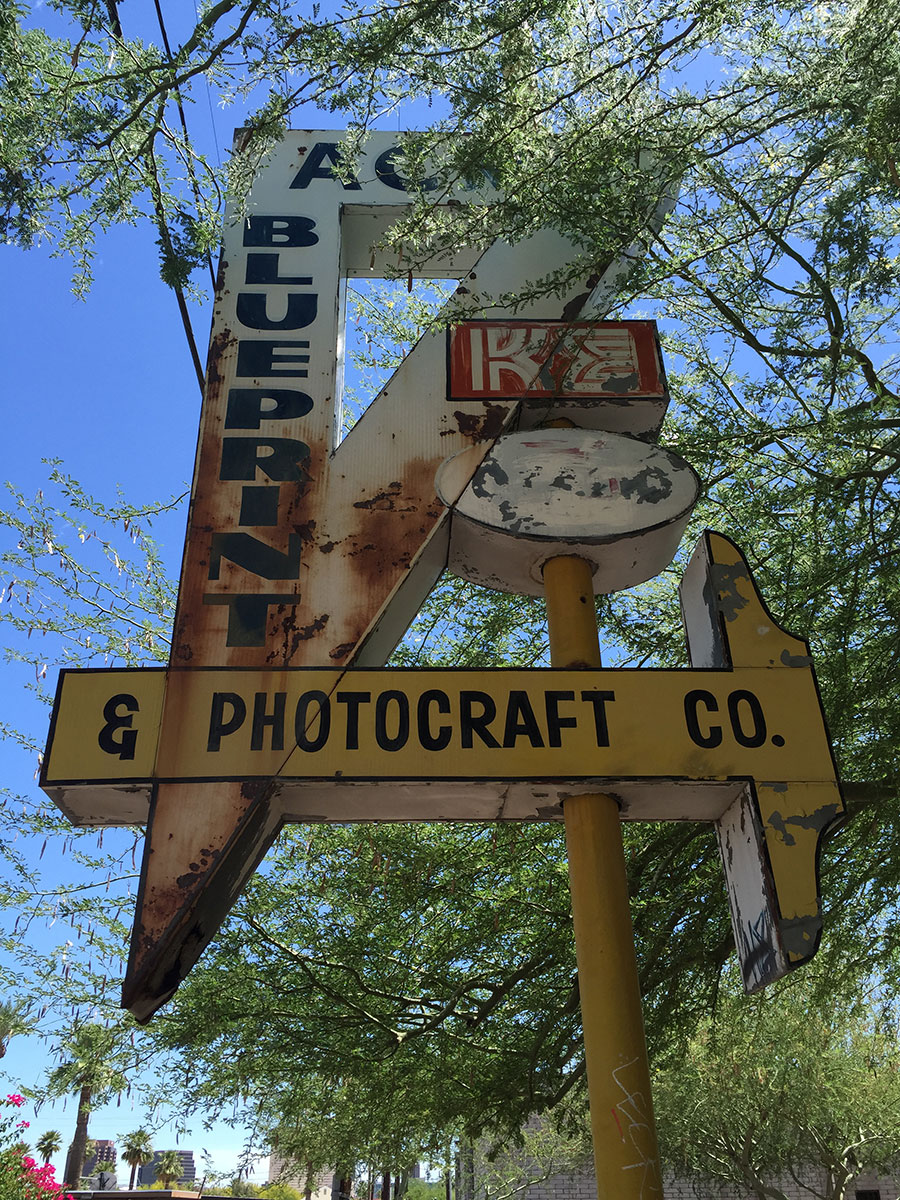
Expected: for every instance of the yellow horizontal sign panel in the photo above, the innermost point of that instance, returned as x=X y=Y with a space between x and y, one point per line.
x=309 y=724
x=105 y=725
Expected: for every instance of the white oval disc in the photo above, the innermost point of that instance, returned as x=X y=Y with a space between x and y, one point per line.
x=619 y=502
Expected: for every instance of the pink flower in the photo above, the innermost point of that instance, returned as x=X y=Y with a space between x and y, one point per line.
x=23 y=1124
x=16 y=1099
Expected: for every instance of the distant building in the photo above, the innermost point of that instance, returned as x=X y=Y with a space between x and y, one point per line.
x=583 y=1186
x=284 y=1170
x=104 y=1152
x=147 y=1173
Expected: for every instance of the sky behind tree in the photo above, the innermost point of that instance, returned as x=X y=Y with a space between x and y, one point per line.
x=110 y=389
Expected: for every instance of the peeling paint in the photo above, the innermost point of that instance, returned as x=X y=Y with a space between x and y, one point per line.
x=564 y=480
x=491 y=470
x=795 y=660
x=800 y=934
x=778 y=823
x=725 y=578
x=621 y=383
x=818 y=820
x=650 y=485
x=549 y=812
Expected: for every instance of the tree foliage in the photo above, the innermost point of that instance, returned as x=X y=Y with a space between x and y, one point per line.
x=13 y=1020
x=20 y=1176
x=422 y=980
x=137 y=1149
x=48 y=1144
x=93 y=1066
x=784 y=1089
x=168 y=1168
x=381 y=960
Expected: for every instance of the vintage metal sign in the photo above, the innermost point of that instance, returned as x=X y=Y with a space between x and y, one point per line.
x=307 y=556
x=538 y=359
x=619 y=503
x=304 y=724
x=527 y=465
x=304 y=549
x=739 y=739
x=597 y=374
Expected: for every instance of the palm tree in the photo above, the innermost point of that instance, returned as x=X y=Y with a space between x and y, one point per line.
x=93 y=1067
x=103 y=1171
x=137 y=1149
x=13 y=1020
x=168 y=1167
x=48 y=1144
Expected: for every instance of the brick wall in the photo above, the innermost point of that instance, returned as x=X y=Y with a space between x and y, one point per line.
x=584 y=1187
x=563 y=1187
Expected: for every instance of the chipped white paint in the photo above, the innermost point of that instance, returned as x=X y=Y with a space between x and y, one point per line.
x=613 y=500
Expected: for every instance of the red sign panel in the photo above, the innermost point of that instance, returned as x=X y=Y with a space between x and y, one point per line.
x=517 y=359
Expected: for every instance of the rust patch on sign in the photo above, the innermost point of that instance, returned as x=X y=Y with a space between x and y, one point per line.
x=198 y=901
x=482 y=427
x=293 y=636
x=386 y=500
x=307 y=531
x=217 y=348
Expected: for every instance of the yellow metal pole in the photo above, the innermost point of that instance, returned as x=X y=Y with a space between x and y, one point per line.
x=626 y=1157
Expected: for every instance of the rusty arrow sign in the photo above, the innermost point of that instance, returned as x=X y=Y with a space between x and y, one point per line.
x=303 y=549
x=739 y=739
